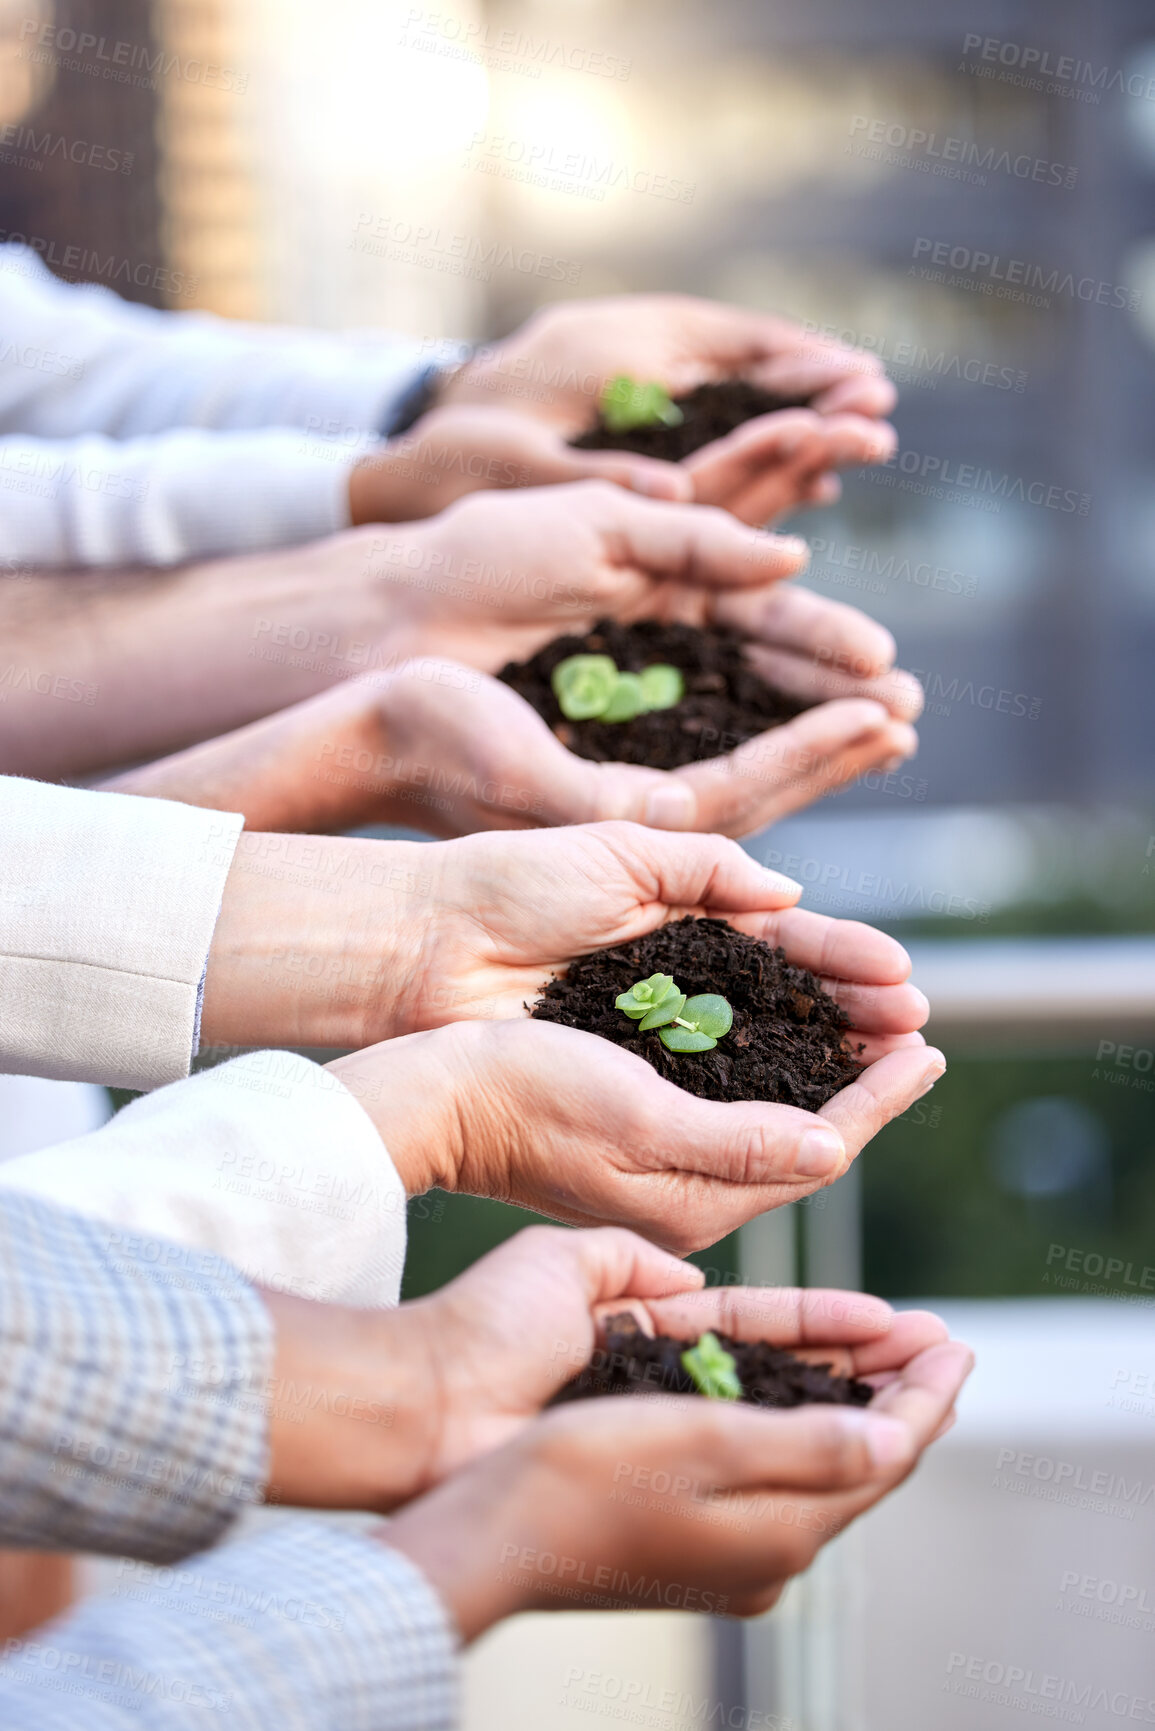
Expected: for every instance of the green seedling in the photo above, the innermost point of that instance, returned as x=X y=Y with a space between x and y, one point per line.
x=583 y=685
x=683 y=1024
x=712 y=1369
x=591 y=687
x=628 y=403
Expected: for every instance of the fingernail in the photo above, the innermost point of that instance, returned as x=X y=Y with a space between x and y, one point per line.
x=791 y=441
x=893 y=763
x=887 y=1440
x=793 y=544
x=932 y=1075
x=924 y=1001
x=670 y=807
x=821 y=1152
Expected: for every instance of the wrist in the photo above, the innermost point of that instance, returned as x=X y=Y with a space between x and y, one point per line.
x=316 y=943
x=381 y=489
x=403 y=565
x=464 y=1535
x=423 y=1095
x=350 y=1420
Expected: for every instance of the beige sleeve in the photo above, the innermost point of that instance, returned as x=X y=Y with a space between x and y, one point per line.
x=107 y=910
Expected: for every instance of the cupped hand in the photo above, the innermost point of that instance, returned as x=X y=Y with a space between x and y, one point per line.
x=582 y=1131
x=451 y=452
x=449 y=750
x=451 y=754
x=514 y=910
x=505 y=1336
x=558 y=363
x=498 y=574
x=774 y=464
x=668 y=1501
x=785 y=461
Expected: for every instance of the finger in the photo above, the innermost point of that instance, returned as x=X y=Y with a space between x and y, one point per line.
x=725 y=465
x=758 y=798
x=775 y=493
x=828 y=633
x=852 y=440
x=519 y=753
x=743 y=1143
x=609 y=1261
x=862 y=393
x=820 y=678
x=784 y=1316
x=875 y=1009
x=825 y=489
x=910 y=1333
x=832 y=948
x=695 y=544
x=869 y=1048
x=835 y=381
x=692 y=873
x=856 y=1334
x=923 y=1396
x=781 y=461
x=739 y=339
x=645 y=475
x=812 y=1448
x=732 y=473
x=881 y=1092
x=791 y=765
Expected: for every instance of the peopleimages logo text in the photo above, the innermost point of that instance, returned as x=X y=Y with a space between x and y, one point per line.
x=1020 y=272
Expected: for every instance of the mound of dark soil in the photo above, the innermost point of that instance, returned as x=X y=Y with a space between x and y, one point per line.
x=709 y=412
x=787 y=1044
x=726 y=702
x=633 y=1363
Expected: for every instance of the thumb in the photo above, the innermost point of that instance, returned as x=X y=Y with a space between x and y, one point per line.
x=646 y=475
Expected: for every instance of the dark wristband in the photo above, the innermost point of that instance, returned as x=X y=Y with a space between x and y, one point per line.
x=416 y=399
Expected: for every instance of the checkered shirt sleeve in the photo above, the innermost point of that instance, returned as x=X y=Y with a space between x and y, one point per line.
x=132 y=1413
x=307 y=1628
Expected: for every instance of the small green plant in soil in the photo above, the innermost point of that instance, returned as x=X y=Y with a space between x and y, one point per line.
x=712 y=1369
x=684 y=1024
x=592 y=687
x=628 y=403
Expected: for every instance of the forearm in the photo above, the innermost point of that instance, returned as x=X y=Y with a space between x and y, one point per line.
x=323 y=766
x=101 y=671
x=318 y=943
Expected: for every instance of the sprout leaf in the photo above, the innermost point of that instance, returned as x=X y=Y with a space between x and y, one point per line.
x=662 y=686
x=712 y=1369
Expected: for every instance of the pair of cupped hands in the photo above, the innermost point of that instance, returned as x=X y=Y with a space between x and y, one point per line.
x=433 y=1411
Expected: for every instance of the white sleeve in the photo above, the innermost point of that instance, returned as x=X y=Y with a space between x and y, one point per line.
x=107 y=909
x=181 y=495
x=78 y=359
x=268 y=1161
